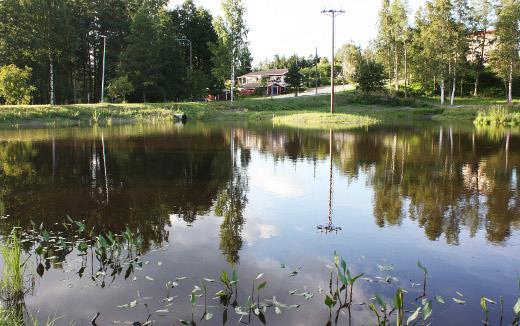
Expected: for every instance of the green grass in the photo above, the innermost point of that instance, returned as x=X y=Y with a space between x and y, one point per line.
x=317 y=120
x=381 y=107
x=498 y=116
x=12 y=282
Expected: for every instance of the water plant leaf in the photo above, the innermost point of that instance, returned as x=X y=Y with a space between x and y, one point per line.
x=483 y=305
x=421 y=267
x=489 y=300
x=516 y=308
x=149 y=278
x=413 y=316
x=83 y=247
x=439 y=299
x=40 y=269
x=459 y=301
x=343 y=279
x=277 y=310
x=234 y=277
x=380 y=301
x=459 y=294
x=262 y=285
x=295 y=272
x=224 y=277
x=261 y=317
x=329 y=302
x=385 y=268
x=208 y=316
x=209 y=280
x=427 y=309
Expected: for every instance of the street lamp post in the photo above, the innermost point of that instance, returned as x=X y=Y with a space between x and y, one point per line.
x=191 y=49
x=103 y=77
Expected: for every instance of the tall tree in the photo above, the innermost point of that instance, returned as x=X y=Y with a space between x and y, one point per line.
x=294 y=78
x=482 y=13
x=141 y=59
x=349 y=56
x=505 y=58
x=436 y=42
x=232 y=44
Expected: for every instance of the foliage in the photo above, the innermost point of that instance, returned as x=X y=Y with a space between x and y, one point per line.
x=294 y=78
x=231 y=56
x=350 y=57
x=505 y=59
x=15 y=85
x=498 y=115
x=370 y=76
x=12 y=283
x=119 y=88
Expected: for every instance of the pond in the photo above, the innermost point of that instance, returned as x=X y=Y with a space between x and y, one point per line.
x=202 y=198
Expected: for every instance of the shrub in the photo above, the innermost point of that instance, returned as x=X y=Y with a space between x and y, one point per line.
x=119 y=88
x=370 y=76
x=15 y=85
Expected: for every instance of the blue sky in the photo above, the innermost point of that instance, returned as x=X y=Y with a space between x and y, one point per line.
x=297 y=26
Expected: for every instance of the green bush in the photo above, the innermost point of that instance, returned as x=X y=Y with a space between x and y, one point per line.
x=119 y=88
x=15 y=87
x=370 y=76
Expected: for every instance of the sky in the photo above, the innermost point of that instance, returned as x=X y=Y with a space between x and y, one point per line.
x=288 y=27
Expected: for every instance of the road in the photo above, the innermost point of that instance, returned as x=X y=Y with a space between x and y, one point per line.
x=321 y=90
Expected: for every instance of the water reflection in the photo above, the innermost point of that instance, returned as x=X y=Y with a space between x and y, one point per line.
x=203 y=188
x=444 y=179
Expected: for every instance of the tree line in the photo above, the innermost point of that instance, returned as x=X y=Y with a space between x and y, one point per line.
x=452 y=47
x=59 y=44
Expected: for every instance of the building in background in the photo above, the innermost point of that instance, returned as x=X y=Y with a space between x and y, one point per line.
x=264 y=82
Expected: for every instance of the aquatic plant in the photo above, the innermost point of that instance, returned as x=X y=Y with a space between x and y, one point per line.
x=12 y=284
x=498 y=115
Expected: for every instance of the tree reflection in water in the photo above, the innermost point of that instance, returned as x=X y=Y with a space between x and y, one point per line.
x=446 y=179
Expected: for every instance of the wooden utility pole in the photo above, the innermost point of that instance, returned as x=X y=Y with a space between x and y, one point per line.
x=332 y=13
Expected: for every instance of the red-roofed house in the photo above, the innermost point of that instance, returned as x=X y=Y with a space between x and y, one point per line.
x=273 y=80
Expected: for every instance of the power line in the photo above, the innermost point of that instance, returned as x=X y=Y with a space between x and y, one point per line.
x=333 y=14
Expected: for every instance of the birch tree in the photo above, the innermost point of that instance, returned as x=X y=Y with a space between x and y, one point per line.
x=482 y=11
x=505 y=58
x=235 y=25
x=435 y=41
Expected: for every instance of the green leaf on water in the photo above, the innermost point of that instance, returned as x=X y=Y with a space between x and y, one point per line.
x=414 y=316
x=427 y=310
x=459 y=301
x=516 y=308
x=262 y=285
x=439 y=299
x=483 y=305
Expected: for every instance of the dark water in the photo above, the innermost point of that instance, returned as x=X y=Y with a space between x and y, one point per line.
x=209 y=197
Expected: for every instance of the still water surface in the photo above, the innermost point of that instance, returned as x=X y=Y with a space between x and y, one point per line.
x=207 y=197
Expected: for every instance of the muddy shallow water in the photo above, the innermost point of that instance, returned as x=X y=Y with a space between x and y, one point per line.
x=261 y=199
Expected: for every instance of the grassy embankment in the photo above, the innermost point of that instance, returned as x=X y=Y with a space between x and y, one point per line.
x=352 y=109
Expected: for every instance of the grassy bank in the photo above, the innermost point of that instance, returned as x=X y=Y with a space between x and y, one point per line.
x=357 y=106
x=498 y=116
